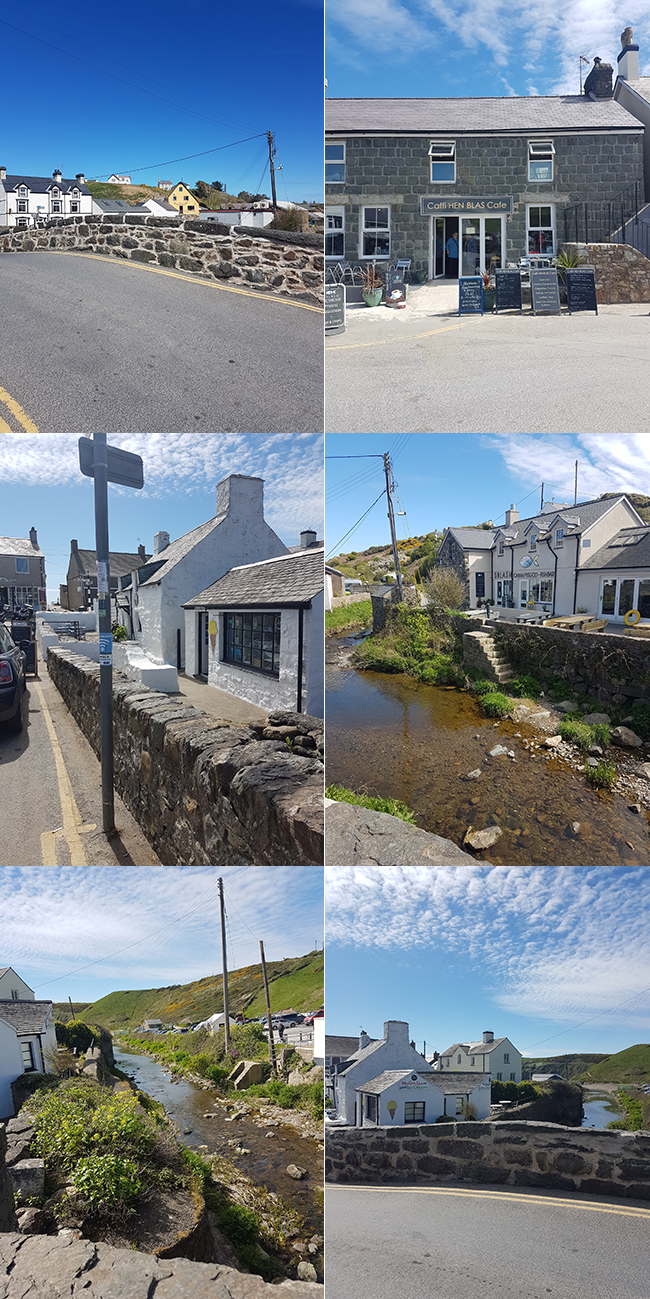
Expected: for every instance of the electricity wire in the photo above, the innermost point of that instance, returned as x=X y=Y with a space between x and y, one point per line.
x=188 y=157
x=335 y=550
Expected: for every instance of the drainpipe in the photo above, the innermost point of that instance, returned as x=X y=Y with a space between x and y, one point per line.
x=512 y=572
x=492 y=576
x=301 y=614
x=554 y=553
x=575 y=583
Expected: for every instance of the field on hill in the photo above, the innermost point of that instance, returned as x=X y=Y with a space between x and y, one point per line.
x=296 y=983
x=140 y=193
x=577 y=1064
x=630 y=1066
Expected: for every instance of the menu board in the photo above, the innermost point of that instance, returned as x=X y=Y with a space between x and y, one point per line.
x=581 y=291
x=334 y=308
x=470 y=295
x=395 y=293
x=544 y=290
x=508 y=291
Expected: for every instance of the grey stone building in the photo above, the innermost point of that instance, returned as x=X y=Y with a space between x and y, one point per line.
x=22 y=571
x=405 y=178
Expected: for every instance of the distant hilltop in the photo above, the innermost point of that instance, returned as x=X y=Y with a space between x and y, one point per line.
x=629 y=1066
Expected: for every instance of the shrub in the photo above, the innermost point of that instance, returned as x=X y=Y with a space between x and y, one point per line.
x=525 y=687
x=575 y=732
x=641 y=715
x=445 y=590
x=496 y=704
x=76 y=1034
x=601 y=735
x=603 y=775
x=482 y=687
x=106 y=1180
x=290 y=219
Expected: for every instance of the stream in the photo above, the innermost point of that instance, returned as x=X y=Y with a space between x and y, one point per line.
x=186 y=1103
x=389 y=735
x=599 y=1110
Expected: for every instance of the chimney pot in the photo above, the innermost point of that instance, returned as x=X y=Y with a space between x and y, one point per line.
x=598 y=85
x=32 y=536
x=74 y=545
x=160 y=542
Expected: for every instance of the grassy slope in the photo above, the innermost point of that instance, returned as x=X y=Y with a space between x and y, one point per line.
x=297 y=982
x=578 y=1064
x=358 y=614
x=630 y=1066
x=140 y=193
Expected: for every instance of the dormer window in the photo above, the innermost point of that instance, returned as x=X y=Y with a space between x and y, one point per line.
x=55 y=192
x=533 y=541
x=559 y=537
x=501 y=546
x=22 y=190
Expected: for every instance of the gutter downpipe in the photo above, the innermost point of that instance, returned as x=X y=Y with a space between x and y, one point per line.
x=575 y=581
x=301 y=614
x=554 y=553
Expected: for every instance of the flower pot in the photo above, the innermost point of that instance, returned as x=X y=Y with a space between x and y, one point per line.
x=489 y=299
x=373 y=299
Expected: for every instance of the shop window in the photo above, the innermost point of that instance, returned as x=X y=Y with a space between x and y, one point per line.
x=414 y=1112
x=335 y=164
x=443 y=161
x=540 y=159
x=375 y=235
x=252 y=640
x=335 y=232
x=541 y=225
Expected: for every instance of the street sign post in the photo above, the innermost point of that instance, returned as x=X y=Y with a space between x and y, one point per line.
x=106 y=465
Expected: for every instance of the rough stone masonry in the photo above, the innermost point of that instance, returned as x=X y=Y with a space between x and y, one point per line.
x=249 y=261
x=204 y=792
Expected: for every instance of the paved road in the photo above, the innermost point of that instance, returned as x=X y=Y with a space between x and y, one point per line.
x=51 y=807
x=89 y=341
x=495 y=374
x=484 y=1244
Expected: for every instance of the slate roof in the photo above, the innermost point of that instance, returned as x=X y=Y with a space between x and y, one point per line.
x=42 y=184
x=630 y=548
x=343 y=1047
x=26 y=1016
x=585 y=514
x=120 y=205
x=120 y=562
x=474 y=538
x=21 y=547
x=287 y=580
x=477 y=116
x=474 y=1048
x=390 y=1076
x=315 y=545
x=177 y=550
x=456 y=1084
x=639 y=84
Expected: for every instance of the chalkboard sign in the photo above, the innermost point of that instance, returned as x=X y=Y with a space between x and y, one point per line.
x=334 y=308
x=508 y=291
x=395 y=294
x=581 y=291
x=544 y=291
x=470 y=295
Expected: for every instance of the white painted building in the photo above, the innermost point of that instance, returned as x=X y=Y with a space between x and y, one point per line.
x=258 y=633
x=494 y=1056
x=11 y=1067
x=29 y=200
x=392 y=1051
x=159 y=207
x=12 y=987
x=238 y=216
x=398 y=1097
x=31 y=1024
x=152 y=597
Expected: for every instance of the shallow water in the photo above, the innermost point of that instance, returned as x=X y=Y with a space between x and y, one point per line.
x=186 y=1103
x=599 y=1110
x=388 y=735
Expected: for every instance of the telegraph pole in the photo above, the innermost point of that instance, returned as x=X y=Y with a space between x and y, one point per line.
x=104 y=602
x=268 y=1012
x=391 y=519
x=575 y=486
x=272 y=169
x=224 y=962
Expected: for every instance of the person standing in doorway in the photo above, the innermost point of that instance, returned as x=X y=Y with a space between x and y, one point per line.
x=452 y=256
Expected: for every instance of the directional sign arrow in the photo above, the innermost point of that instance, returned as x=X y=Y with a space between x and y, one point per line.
x=124 y=467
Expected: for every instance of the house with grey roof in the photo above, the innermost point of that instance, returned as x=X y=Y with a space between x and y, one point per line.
x=404 y=177
x=493 y=1056
x=27 y=1043
x=265 y=630
x=33 y=200
x=632 y=92
x=397 y=1097
x=615 y=579
x=12 y=987
x=80 y=589
x=153 y=595
x=372 y=1058
x=22 y=572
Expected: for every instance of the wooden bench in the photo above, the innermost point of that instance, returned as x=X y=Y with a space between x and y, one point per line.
x=636 y=631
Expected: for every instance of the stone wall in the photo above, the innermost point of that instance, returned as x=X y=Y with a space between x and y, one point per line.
x=451 y=555
x=357 y=836
x=7 y=1212
x=62 y=1265
x=204 y=792
x=594 y=664
x=510 y=1153
x=622 y=273
x=245 y=260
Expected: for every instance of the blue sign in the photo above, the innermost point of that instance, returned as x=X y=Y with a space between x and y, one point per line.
x=470 y=295
x=105 y=648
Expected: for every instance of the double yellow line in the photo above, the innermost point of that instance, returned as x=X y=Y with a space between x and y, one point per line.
x=18 y=414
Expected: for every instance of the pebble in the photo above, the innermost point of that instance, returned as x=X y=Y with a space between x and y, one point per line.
x=592 y=762
x=474 y=775
x=498 y=750
x=634 y=807
x=483 y=838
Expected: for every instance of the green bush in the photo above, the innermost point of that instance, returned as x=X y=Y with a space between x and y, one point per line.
x=525 y=687
x=603 y=775
x=76 y=1034
x=575 y=732
x=106 y=1180
x=482 y=687
x=496 y=704
x=512 y=1091
x=601 y=735
x=641 y=715
x=120 y=633
x=80 y=1117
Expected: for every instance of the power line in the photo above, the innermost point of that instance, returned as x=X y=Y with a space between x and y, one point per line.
x=189 y=156
x=356 y=525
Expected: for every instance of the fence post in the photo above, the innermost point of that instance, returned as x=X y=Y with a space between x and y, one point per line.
x=622 y=223
x=576 y=212
x=586 y=223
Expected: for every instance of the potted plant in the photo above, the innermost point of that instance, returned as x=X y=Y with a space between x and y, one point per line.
x=489 y=291
x=373 y=285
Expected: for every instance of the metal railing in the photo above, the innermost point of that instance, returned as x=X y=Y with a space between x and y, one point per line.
x=623 y=219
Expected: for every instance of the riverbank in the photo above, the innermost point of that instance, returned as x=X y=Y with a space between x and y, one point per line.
x=352 y=614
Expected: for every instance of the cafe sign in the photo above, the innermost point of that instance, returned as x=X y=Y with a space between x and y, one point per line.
x=455 y=205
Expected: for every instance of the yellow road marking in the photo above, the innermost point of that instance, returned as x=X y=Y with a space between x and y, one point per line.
x=69 y=809
x=630 y=1211
x=382 y=342
x=18 y=412
x=175 y=275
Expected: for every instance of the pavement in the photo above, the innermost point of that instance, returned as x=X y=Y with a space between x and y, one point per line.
x=137 y=349
x=51 y=806
x=424 y=369
x=218 y=703
x=455 y=1240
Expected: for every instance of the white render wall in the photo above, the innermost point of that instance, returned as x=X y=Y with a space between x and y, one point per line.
x=313 y=701
x=11 y=1067
x=491 y=1062
x=11 y=982
x=478 y=561
x=400 y=1092
x=480 y=1096
x=395 y=1052
x=266 y=691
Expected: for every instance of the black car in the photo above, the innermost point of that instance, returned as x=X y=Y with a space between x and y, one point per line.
x=12 y=682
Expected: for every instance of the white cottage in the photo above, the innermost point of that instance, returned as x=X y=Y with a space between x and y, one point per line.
x=401 y=1096
x=12 y=987
x=27 y=1042
x=153 y=596
x=494 y=1056
x=258 y=632
x=392 y=1051
x=32 y=200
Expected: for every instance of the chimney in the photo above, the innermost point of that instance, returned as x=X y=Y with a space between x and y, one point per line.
x=33 y=538
x=307 y=539
x=397 y=1032
x=3 y=173
x=74 y=545
x=512 y=516
x=160 y=542
x=628 y=59
x=80 y=177
x=598 y=85
x=488 y=1036
x=241 y=498
x=364 y=1040
x=56 y=176
x=142 y=553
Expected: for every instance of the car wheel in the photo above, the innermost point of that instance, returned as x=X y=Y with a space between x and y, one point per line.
x=18 y=720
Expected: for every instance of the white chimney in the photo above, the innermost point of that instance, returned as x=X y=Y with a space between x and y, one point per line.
x=628 y=59
x=160 y=542
x=56 y=176
x=396 y=1031
x=364 y=1040
x=80 y=177
x=488 y=1036
x=241 y=497
x=3 y=173
x=512 y=516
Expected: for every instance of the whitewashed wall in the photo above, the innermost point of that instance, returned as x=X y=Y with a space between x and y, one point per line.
x=10 y=982
x=411 y=1088
x=11 y=1067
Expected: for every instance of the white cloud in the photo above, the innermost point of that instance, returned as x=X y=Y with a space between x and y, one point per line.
x=605 y=463
x=559 y=943
x=381 y=25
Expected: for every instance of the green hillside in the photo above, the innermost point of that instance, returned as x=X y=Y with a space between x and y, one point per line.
x=577 y=1064
x=630 y=1066
x=140 y=193
x=296 y=983
x=641 y=503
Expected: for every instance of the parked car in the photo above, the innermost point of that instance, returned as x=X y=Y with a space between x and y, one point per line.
x=12 y=682
x=316 y=1014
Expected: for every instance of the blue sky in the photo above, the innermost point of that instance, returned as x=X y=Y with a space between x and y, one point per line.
x=555 y=958
x=42 y=486
x=167 y=919
x=391 y=48
x=101 y=90
x=460 y=479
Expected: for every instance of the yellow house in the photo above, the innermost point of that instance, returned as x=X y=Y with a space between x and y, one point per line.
x=183 y=200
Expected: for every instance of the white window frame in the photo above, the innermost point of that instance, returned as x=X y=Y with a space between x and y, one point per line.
x=501 y=547
x=443 y=151
x=541 y=151
x=530 y=207
x=559 y=538
x=57 y=206
x=22 y=560
x=74 y=206
x=335 y=212
x=376 y=230
x=532 y=543
x=23 y=205
x=336 y=144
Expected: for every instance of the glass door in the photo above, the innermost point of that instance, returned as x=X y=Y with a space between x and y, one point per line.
x=470 y=245
x=438 y=247
x=492 y=251
x=524 y=587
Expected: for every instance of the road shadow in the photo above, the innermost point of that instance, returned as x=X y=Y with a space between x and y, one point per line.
x=14 y=743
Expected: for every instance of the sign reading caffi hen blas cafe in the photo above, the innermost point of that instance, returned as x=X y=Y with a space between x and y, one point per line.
x=455 y=205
